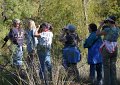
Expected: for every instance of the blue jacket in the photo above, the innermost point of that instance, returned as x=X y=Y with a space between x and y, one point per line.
x=93 y=44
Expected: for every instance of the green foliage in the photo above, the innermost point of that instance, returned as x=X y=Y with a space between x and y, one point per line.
x=99 y=9
x=19 y=8
x=12 y=9
x=59 y=13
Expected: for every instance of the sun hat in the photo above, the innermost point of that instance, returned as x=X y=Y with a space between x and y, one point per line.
x=111 y=18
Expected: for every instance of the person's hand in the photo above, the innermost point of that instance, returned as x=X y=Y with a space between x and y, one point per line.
x=101 y=23
x=38 y=26
x=117 y=25
x=63 y=31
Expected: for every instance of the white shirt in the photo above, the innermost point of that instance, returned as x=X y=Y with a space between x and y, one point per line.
x=45 y=38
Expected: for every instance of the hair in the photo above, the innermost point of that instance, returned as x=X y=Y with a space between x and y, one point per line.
x=42 y=26
x=31 y=24
x=50 y=27
x=15 y=22
x=93 y=27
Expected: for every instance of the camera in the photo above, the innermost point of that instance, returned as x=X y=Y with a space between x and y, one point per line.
x=106 y=21
x=64 y=29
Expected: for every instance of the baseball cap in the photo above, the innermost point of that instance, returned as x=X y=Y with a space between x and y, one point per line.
x=71 y=27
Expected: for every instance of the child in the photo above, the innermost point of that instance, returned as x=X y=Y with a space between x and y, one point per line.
x=44 y=36
x=71 y=53
x=16 y=35
x=93 y=43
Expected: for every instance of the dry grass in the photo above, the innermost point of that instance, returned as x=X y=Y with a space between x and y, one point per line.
x=11 y=76
x=59 y=74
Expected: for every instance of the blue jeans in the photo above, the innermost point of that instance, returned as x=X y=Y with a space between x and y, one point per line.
x=96 y=68
x=17 y=55
x=45 y=63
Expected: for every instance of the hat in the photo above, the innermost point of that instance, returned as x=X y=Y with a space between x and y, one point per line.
x=111 y=18
x=71 y=27
x=16 y=21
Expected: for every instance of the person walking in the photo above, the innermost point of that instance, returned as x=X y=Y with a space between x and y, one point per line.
x=93 y=43
x=109 y=49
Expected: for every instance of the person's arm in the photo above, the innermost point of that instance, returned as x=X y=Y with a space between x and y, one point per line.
x=36 y=34
x=78 y=39
x=117 y=25
x=90 y=40
x=62 y=37
x=100 y=32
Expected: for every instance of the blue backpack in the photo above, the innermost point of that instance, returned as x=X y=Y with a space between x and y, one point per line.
x=72 y=54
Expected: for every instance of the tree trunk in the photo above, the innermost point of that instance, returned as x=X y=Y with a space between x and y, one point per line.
x=85 y=3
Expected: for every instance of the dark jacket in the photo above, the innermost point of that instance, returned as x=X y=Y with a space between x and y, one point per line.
x=93 y=44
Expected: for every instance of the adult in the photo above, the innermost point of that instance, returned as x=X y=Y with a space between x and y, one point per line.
x=71 y=53
x=93 y=43
x=16 y=35
x=31 y=40
x=44 y=36
x=109 y=49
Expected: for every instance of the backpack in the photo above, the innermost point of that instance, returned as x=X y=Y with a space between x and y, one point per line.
x=71 y=54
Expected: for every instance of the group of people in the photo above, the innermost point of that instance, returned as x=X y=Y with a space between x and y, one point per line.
x=39 y=39
x=102 y=53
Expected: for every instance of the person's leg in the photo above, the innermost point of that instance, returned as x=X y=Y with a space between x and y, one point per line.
x=92 y=73
x=30 y=60
x=99 y=73
x=14 y=50
x=72 y=76
x=106 y=66
x=77 y=76
x=70 y=73
x=20 y=56
x=17 y=56
x=41 y=64
x=48 y=65
x=113 y=76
